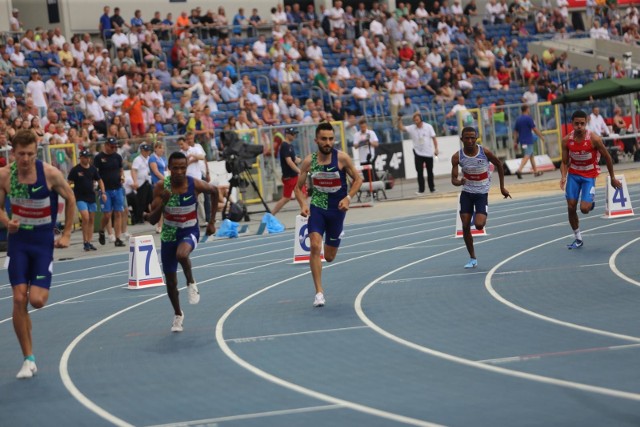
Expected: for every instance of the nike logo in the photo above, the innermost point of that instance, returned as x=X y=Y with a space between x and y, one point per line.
x=186 y=198
x=332 y=239
x=40 y=277
x=331 y=168
x=34 y=189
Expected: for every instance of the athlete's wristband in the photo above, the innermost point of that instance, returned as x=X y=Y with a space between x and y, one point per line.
x=349 y=197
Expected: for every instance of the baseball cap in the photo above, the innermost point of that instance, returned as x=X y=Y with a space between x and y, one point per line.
x=112 y=140
x=292 y=131
x=145 y=147
x=34 y=71
x=11 y=89
x=85 y=153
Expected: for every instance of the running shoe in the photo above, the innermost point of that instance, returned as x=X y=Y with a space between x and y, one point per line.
x=93 y=248
x=101 y=239
x=177 y=323
x=112 y=238
x=194 y=295
x=575 y=245
x=86 y=247
x=473 y=263
x=28 y=369
x=119 y=243
x=319 y=301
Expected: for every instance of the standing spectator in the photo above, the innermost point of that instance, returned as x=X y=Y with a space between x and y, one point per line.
x=597 y=124
x=110 y=167
x=117 y=21
x=425 y=147
x=366 y=142
x=396 y=95
x=141 y=176
x=83 y=176
x=133 y=106
x=36 y=90
x=290 y=170
x=523 y=131
x=105 y=26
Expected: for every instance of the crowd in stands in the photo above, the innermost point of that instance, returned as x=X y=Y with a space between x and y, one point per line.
x=203 y=72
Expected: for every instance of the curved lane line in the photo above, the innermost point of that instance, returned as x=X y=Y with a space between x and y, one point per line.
x=614 y=268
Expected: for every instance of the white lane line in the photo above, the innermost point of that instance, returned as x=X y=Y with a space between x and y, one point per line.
x=489 y=287
x=614 y=268
x=528 y=357
x=472 y=363
x=210 y=421
x=63 y=366
x=291 y=334
x=441 y=276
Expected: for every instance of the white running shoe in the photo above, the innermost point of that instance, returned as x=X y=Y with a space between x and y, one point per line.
x=319 y=301
x=194 y=295
x=177 y=323
x=112 y=238
x=28 y=370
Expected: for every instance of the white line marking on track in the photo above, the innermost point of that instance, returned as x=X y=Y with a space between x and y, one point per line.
x=209 y=421
x=525 y=358
x=614 y=268
x=472 y=363
x=292 y=334
x=500 y=298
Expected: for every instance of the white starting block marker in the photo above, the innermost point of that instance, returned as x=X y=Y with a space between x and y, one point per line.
x=474 y=231
x=301 y=242
x=144 y=268
x=618 y=200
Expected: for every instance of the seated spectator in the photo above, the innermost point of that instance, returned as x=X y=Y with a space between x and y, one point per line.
x=530 y=96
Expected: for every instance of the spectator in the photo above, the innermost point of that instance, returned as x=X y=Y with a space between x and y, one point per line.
x=530 y=97
x=597 y=124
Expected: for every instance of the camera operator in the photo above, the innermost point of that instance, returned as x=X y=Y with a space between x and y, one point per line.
x=366 y=141
x=290 y=171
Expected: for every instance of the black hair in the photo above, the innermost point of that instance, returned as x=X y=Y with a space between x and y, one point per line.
x=579 y=115
x=176 y=155
x=323 y=126
x=469 y=129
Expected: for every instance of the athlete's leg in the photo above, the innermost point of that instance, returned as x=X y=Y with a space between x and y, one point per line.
x=182 y=254
x=21 y=319
x=588 y=192
x=465 y=218
x=172 y=292
x=315 y=261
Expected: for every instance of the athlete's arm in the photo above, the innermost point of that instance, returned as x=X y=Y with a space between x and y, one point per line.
x=564 y=165
x=356 y=180
x=455 y=162
x=302 y=178
x=61 y=186
x=160 y=198
x=597 y=143
x=11 y=224
x=204 y=187
x=498 y=164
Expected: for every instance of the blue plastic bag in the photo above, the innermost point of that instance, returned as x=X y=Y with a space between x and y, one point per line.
x=272 y=224
x=228 y=229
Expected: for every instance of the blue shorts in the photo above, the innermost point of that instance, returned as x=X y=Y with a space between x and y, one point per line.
x=115 y=201
x=527 y=149
x=85 y=206
x=471 y=203
x=168 y=249
x=30 y=258
x=577 y=186
x=327 y=222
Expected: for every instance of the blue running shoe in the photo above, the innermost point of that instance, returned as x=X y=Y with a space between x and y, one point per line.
x=473 y=263
x=575 y=245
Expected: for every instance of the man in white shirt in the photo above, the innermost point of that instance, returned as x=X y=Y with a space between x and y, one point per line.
x=366 y=142
x=38 y=93
x=396 y=95
x=343 y=70
x=425 y=147
x=17 y=57
x=196 y=162
x=336 y=16
x=530 y=96
x=376 y=28
x=260 y=48
x=118 y=97
x=94 y=110
x=597 y=123
x=141 y=180
x=434 y=58
x=119 y=39
x=57 y=38
x=314 y=52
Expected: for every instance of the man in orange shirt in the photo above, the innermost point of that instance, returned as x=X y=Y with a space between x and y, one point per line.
x=182 y=24
x=133 y=106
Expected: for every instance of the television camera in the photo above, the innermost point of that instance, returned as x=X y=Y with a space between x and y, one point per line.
x=239 y=158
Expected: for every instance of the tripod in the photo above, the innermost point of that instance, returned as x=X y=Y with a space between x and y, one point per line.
x=236 y=181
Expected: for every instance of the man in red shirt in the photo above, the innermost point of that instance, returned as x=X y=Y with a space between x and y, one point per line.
x=406 y=53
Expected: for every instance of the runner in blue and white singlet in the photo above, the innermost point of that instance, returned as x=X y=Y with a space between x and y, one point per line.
x=475 y=162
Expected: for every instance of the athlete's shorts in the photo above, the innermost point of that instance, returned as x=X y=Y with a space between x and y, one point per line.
x=86 y=206
x=327 y=222
x=578 y=186
x=114 y=202
x=168 y=250
x=30 y=258
x=527 y=149
x=289 y=185
x=473 y=202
